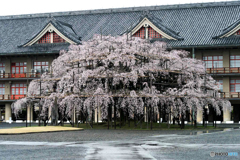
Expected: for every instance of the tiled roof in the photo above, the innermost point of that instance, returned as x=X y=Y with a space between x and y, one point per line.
x=194 y=24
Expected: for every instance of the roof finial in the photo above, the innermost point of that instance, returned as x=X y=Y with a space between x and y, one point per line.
x=146 y=13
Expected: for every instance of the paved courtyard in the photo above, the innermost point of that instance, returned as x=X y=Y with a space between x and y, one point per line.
x=120 y=144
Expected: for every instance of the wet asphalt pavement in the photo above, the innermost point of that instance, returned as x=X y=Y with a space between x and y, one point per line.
x=121 y=144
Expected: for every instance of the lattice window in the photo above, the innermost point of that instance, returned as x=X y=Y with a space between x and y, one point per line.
x=235 y=85
x=2 y=89
x=46 y=38
x=2 y=66
x=213 y=61
x=19 y=67
x=221 y=84
x=235 y=61
x=153 y=34
x=57 y=38
x=140 y=33
x=41 y=66
x=19 y=89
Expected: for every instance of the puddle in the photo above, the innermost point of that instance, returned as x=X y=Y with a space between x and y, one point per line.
x=209 y=131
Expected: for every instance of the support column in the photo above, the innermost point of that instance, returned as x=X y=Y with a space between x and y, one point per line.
x=97 y=114
x=49 y=114
x=29 y=113
x=226 y=115
x=199 y=116
x=145 y=115
x=8 y=112
x=0 y=113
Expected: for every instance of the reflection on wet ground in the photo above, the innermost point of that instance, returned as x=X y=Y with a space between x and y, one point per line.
x=148 y=148
x=209 y=131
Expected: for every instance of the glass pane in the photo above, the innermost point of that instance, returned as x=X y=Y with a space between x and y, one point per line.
x=38 y=63
x=215 y=57
x=25 y=85
x=25 y=69
x=220 y=57
x=46 y=63
x=21 y=85
x=17 y=85
x=237 y=81
x=43 y=63
x=17 y=91
x=25 y=91
x=21 y=91
x=21 y=70
x=21 y=64
x=35 y=63
x=209 y=57
x=25 y=63
x=17 y=70
x=13 y=85
x=13 y=70
x=232 y=57
x=237 y=57
x=13 y=91
x=237 y=87
x=3 y=85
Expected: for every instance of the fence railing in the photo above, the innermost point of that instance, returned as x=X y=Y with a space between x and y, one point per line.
x=229 y=94
x=20 y=75
x=11 y=97
x=224 y=70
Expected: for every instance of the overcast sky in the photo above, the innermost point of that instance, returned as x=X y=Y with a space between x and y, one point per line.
x=16 y=7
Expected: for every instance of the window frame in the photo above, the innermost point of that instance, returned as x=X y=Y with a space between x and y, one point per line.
x=213 y=60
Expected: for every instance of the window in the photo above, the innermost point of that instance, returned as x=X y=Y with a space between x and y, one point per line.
x=46 y=38
x=19 y=67
x=2 y=89
x=213 y=61
x=19 y=89
x=41 y=65
x=140 y=33
x=2 y=66
x=153 y=34
x=57 y=38
x=235 y=85
x=221 y=84
x=235 y=61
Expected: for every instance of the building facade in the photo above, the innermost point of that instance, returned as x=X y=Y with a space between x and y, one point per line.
x=209 y=31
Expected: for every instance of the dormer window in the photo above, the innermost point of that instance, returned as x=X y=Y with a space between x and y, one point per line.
x=51 y=37
x=140 y=33
x=153 y=34
x=46 y=38
x=57 y=38
x=238 y=32
x=54 y=32
x=149 y=27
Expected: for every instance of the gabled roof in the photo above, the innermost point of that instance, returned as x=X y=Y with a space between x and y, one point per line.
x=197 y=24
x=229 y=30
x=64 y=29
x=156 y=22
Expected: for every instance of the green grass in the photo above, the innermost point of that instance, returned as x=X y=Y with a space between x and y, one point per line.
x=144 y=126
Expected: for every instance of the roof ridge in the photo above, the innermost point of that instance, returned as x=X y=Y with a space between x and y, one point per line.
x=127 y=9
